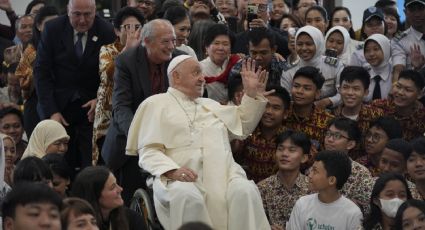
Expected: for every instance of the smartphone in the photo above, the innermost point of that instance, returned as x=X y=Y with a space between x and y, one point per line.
x=331 y=53
x=252 y=13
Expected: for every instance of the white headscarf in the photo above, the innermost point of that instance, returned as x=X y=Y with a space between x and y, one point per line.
x=45 y=133
x=385 y=45
x=319 y=42
x=3 y=158
x=344 y=33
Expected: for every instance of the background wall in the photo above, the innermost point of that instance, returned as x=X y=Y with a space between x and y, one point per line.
x=19 y=7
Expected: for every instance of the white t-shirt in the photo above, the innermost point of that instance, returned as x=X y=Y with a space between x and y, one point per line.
x=310 y=213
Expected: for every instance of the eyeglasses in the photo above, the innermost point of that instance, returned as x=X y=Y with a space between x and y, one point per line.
x=335 y=135
x=373 y=136
x=131 y=26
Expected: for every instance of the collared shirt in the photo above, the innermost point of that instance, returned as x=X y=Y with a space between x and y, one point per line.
x=83 y=39
x=278 y=200
x=359 y=186
x=385 y=83
x=258 y=155
x=314 y=126
x=413 y=125
x=400 y=46
x=103 y=111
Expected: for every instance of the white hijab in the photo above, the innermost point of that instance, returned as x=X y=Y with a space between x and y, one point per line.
x=3 y=158
x=345 y=35
x=44 y=134
x=319 y=42
x=385 y=45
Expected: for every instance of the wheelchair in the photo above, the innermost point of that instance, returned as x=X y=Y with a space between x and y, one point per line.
x=142 y=202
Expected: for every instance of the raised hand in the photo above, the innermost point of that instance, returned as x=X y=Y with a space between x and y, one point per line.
x=254 y=82
x=418 y=59
x=5 y=5
x=133 y=38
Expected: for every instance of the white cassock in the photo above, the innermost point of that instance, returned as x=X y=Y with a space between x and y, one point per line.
x=222 y=197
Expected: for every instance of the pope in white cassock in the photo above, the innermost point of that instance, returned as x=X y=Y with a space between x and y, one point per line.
x=183 y=141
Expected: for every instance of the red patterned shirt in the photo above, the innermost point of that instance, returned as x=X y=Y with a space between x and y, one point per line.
x=413 y=125
x=258 y=155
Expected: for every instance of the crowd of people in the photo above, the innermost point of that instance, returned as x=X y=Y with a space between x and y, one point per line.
x=236 y=114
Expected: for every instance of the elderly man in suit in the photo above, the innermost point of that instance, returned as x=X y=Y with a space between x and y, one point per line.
x=139 y=73
x=66 y=74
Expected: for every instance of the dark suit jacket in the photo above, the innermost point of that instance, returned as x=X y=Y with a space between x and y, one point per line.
x=59 y=75
x=132 y=85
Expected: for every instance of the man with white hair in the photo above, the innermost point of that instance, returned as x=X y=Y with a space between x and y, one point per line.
x=139 y=73
x=66 y=74
x=183 y=141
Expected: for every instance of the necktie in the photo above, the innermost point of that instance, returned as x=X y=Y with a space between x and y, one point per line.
x=377 y=89
x=79 y=45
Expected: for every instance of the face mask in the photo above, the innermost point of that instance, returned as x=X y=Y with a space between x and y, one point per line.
x=390 y=207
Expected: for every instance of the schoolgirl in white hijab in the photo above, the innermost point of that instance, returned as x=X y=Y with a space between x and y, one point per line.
x=331 y=43
x=383 y=68
x=330 y=68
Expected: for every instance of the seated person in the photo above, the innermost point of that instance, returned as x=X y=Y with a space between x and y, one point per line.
x=303 y=115
x=343 y=135
x=48 y=136
x=78 y=214
x=184 y=144
x=410 y=215
x=11 y=124
x=32 y=169
x=31 y=206
x=327 y=207
x=257 y=152
x=404 y=104
x=262 y=48
x=380 y=132
x=416 y=165
x=354 y=84
x=61 y=173
x=280 y=191
x=388 y=193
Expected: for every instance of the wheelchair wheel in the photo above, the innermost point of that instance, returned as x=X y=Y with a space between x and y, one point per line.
x=143 y=204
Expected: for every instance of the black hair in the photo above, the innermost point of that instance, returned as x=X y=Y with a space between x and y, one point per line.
x=11 y=110
x=321 y=10
x=311 y=73
x=12 y=68
x=234 y=82
x=414 y=76
x=167 y=4
x=58 y=165
x=351 y=73
x=401 y=146
x=419 y=204
x=375 y=214
x=390 y=126
x=217 y=30
x=32 y=169
x=393 y=12
x=347 y=125
x=256 y=35
x=281 y=93
x=44 y=12
x=176 y=14
x=418 y=145
x=28 y=193
x=340 y=8
x=88 y=185
x=385 y=3
x=337 y=164
x=197 y=37
x=195 y=225
x=296 y=2
x=293 y=18
x=32 y=4
x=299 y=139
x=125 y=13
